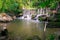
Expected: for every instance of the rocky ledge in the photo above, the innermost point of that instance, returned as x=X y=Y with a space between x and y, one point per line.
x=5 y=18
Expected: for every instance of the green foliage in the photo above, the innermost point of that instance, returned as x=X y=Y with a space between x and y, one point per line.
x=40 y=18
x=0 y=4
x=51 y=37
x=15 y=6
x=24 y=3
x=44 y=3
x=11 y=6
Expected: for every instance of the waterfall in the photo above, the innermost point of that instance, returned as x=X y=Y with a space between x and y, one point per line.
x=26 y=14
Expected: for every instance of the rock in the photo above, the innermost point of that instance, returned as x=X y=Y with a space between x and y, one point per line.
x=4 y=17
x=14 y=17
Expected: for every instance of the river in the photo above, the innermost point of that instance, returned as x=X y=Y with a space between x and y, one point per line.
x=25 y=29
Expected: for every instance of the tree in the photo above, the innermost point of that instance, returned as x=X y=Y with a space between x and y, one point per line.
x=44 y=3
x=11 y=6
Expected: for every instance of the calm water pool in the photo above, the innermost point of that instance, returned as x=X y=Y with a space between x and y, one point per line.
x=24 y=29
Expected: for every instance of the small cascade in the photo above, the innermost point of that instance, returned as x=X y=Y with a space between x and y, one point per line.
x=26 y=14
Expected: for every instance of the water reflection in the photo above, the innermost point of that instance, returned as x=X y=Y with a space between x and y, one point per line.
x=24 y=29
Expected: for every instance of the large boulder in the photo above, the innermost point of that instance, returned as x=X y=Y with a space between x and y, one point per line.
x=5 y=17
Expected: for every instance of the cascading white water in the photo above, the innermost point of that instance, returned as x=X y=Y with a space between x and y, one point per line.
x=26 y=14
x=28 y=17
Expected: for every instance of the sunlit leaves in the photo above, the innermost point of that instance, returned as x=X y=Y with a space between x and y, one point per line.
x=44 y=3
x=0 y=4
x=13 y=4
x=8 y=5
